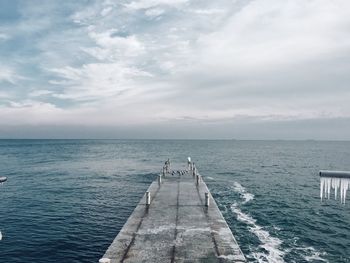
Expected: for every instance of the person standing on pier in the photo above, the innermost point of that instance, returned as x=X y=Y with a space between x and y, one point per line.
x=189 y=163
x=194 y=169
x=167 y=166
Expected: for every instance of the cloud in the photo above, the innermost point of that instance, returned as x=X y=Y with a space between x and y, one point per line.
x=40 y=93
x=145 y=4
x=157 y=62
x=236 y=67
x=28 y=113
x=154 y=12
x=9 y=75
x=97 y=81
x=212 y=11
x=272 y=33
x=106 y=11
x=284 y=56
x=4 y=37
x=5 y=95
x=114 y=47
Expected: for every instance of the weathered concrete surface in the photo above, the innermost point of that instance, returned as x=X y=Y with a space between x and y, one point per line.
x=175 y=227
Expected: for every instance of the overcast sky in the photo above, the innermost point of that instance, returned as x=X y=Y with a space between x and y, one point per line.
x=262 y=69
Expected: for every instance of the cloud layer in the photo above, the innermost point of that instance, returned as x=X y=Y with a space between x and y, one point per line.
x=233 y=66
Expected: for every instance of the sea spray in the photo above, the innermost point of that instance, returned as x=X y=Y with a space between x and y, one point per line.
x=237 y=187
x=269 y=243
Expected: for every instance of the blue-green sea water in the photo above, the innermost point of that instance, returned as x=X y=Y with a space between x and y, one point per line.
x=66 y=200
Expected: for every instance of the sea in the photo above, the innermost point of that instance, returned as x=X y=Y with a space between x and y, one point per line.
x=66 y=200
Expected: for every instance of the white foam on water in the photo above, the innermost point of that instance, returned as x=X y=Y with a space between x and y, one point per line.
x=312 y=254
x=269 y=243
x=272 y=244
x=210 y=178
x=0 y=236
x=237 y=187
x=316 y=256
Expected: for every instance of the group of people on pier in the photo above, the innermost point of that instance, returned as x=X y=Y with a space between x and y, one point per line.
x=191 y=168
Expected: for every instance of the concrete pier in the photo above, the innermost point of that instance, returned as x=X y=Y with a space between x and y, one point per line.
x=179 y=225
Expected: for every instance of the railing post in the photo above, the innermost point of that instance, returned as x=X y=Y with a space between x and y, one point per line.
x=148 y=198
x=197 y=179
x=206 y=195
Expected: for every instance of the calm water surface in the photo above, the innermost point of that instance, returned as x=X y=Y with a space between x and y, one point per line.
x=66 y=200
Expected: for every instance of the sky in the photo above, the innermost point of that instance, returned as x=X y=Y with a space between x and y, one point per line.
x=182 y=69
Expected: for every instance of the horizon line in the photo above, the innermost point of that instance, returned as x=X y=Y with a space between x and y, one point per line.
x=177 y=139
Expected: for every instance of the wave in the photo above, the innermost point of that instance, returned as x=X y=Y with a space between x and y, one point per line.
x=270 y=244
x=311 y=254
x=236 y=174
x=237 y=187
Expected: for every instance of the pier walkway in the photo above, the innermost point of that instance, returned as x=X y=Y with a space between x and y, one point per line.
x=176 y=226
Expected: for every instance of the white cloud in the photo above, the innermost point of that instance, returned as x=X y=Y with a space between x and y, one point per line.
x=114 y=47
x=5 y=95
x=154 y=12
x=4 y=37
x=91 y=13
x=272 y=33
x=28 y=112
x=156 y=60
x=98 y=81
x=241 y=64
x=40 y=93
x=9 y=75
x=285 y=54
x=106 y=11
x=144 y=4
x=216 y=11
